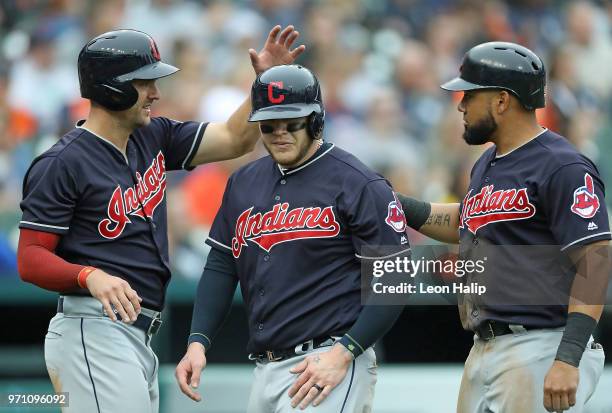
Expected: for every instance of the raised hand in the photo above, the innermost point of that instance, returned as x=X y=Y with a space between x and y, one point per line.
x=277 y=49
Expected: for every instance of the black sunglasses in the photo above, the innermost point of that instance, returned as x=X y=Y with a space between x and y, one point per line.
x=291 y=127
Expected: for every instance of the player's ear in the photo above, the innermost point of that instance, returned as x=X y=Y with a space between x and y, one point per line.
x=502 y=101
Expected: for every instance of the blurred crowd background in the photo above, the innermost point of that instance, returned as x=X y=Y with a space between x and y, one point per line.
x=380 y=64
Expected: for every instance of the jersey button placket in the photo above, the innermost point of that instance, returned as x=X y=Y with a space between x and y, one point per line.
x=282 y=181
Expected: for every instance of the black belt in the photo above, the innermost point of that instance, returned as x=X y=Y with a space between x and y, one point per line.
x=287 y=353
x=490 y=329
x=147 y=324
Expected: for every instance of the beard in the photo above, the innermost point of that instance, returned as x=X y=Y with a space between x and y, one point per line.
x=291 y=159
x=481 y=132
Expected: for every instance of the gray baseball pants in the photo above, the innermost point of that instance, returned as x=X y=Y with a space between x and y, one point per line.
x=506 y=374
x=272 y=380
x=105 y=366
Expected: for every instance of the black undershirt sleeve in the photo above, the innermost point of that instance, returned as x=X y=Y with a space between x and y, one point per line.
x=415 y=211
x=372 y=324
x=374 y=320
x=213 y=298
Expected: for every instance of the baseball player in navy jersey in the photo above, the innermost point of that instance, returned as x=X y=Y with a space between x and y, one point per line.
x=290 y=231
x=94 y=218
x=532 y=188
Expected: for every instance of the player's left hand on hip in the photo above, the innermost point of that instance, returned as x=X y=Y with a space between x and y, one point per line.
x=560 y=385
x=319 y=373
x=277 y=49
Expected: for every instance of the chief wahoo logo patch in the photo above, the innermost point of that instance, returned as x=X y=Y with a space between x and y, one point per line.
x=395 y=215
x=586 y=202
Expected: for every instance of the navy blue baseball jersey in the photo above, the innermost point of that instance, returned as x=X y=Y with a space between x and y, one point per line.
x=110 y=208
x=543 y=193
x=296 y=236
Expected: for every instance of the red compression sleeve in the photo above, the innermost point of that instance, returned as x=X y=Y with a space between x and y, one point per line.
x=38 y=264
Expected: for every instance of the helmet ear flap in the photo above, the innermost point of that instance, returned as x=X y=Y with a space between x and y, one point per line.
x=316 y=122
x=115 y=96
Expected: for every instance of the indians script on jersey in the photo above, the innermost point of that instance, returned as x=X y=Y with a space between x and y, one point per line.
x=489 y=206
x=281 y=224
x=148 y=191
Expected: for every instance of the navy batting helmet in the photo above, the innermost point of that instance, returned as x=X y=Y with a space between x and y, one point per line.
x=502 y=65
x=109 y=63
x=286 y=92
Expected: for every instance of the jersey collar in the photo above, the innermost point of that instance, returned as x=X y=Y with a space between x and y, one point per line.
x=322 y=151
x=79 y=126
x=518 y=147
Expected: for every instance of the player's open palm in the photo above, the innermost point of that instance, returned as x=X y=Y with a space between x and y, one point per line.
x=189 y=369
x=319 y=374
x=115 y=294
x=560 y=385
x=277 y=49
